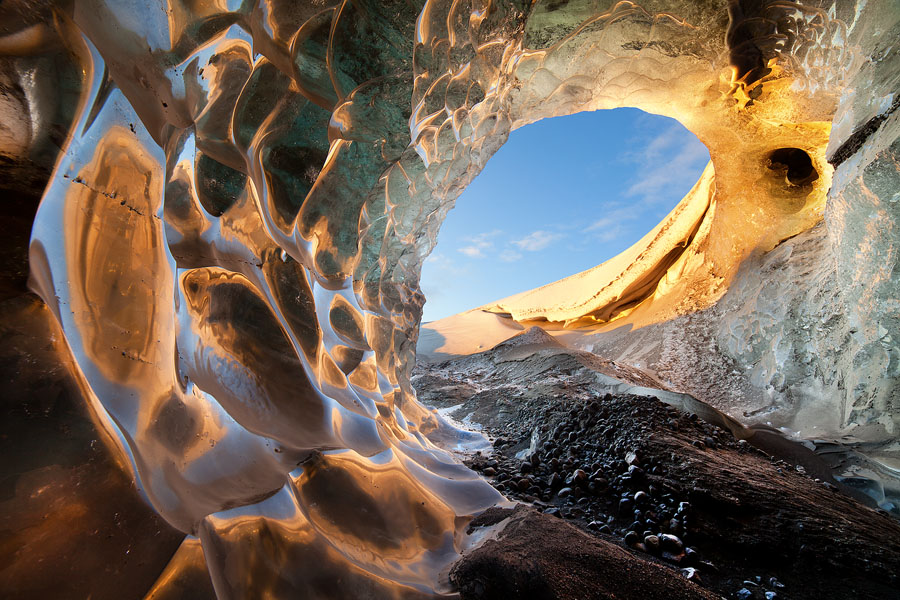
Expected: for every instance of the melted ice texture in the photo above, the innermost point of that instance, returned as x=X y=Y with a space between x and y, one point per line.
x=232 y=237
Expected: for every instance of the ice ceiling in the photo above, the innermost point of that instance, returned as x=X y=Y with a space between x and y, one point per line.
x=232 y=236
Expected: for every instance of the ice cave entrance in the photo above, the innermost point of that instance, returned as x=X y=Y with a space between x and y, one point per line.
x=560 y=196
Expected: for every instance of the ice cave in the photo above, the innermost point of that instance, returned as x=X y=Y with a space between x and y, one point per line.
x=215 y=218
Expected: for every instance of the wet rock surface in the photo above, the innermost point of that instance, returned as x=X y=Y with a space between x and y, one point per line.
x=662 y=484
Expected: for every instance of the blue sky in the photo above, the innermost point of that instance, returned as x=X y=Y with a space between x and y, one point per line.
x=561 y=196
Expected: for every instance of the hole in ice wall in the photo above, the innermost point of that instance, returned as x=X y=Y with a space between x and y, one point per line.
x=794 y=165
x=561 y=196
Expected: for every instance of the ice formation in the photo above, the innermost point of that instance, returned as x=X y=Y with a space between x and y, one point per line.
x=232 y=235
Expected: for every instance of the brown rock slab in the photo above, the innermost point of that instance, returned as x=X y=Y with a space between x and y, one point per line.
x=537 y=556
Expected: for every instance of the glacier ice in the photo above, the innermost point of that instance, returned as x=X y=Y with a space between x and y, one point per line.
x=234 y=226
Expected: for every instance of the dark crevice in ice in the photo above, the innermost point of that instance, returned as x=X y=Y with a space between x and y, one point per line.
x=859 y=137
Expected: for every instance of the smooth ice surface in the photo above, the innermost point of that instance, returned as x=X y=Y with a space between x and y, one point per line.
x=232 y=236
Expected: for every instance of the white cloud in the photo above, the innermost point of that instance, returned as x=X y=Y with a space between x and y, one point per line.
x=612 y=234
x=438 y=259
x=666 y=162
x=480 y=244
x=664 y=166
x=663 y=142
x=604 y=223
x=613 y=216
x=472 y=251
x=441 y=264
x=510 y=256
x=674 y=172
x=614 y=224
x=537 y=240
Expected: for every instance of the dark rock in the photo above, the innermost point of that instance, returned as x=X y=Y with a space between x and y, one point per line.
x=578 y=477
x=707 y=566
x=555 y=481
x=671 y=543
x=675 y=526
x=491 y=516
x=672 y=558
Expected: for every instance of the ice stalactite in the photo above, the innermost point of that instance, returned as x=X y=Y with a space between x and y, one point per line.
x=232 y=234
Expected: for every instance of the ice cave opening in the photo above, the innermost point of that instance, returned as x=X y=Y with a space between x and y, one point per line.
x=211 y=365
x=561 y=196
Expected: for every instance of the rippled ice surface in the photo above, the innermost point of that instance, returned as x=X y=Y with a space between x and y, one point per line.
x=232 y=235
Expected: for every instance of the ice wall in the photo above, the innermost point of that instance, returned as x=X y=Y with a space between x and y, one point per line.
x=807 y=329
x=232 y=234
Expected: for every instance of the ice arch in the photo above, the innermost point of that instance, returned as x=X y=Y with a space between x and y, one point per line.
x=232 y=236
x=561 y=195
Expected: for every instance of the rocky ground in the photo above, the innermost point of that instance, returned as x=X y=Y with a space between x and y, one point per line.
x=659 y=483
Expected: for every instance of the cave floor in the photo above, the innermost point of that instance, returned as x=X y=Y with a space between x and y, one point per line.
x=659 y=483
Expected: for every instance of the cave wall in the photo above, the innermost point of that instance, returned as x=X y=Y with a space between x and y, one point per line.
x=231 y=236
x=815 y=322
